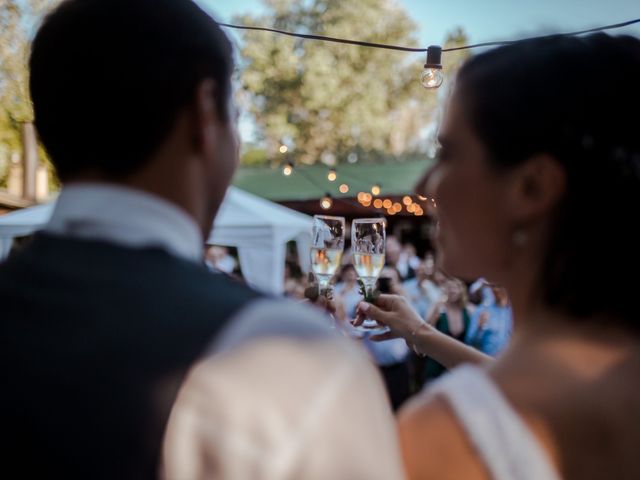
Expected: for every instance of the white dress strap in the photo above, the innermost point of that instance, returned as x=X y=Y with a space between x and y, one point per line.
x=499 y=435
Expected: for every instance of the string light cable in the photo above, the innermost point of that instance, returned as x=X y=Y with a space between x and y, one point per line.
x=432 y=75
x=430 y=78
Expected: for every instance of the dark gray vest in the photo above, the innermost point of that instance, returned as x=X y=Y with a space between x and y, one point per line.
x=95 y=341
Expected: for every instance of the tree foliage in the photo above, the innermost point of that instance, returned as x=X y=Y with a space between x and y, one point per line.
x=328 y=100
x=18 y=19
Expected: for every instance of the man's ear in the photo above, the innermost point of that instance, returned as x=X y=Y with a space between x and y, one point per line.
x=205 y=114
x=537 y=187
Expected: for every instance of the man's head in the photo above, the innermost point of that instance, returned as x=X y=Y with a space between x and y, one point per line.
x=136 y=89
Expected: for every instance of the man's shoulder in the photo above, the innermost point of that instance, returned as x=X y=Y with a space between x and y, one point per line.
x=264 y=317
x=145 y=272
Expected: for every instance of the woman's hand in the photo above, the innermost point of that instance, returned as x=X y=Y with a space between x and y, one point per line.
x=393 y=311
x=396 y=313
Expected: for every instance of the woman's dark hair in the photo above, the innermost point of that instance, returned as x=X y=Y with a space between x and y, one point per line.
x=578 y=100
x=109 y=77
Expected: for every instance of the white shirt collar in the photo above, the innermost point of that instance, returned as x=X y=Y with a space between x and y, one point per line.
x=126 y=217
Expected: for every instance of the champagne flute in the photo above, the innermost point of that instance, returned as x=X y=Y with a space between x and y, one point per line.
x=368 y=244
x=326 y=250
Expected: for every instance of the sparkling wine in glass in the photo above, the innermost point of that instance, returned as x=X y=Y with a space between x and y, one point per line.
x=326 y=250
x=368 y=244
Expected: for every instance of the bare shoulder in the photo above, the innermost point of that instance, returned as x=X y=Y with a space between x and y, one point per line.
x=434 y=445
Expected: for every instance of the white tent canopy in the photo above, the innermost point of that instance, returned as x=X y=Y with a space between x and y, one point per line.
x=259 y=229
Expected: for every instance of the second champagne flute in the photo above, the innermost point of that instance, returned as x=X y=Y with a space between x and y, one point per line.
x=368 y=244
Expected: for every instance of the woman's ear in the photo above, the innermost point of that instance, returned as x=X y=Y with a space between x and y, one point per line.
x=538 y=186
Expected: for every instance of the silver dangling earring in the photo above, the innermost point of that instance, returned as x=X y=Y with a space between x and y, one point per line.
x=520 y=237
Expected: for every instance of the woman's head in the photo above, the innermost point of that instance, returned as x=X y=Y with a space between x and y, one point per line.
x=541 y=163
x=455 y=292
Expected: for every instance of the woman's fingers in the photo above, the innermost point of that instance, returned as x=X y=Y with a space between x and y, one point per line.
x=367 y=310
x=388 y=302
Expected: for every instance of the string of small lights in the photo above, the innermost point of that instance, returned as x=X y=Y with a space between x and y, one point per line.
x=326 y=202
x=431 y=76
x=288 y=167
x=414 y=206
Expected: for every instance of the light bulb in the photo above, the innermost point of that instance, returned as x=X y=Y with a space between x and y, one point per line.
x=287 y=169
x=377 y=203
x=375 y=189
x=332 y=175
x=387 y=204
x=397 y=207
x=326 y=202
x=407 y=200
x=344 y=188
x=422 y=198
x=432 y=75
x=431 y=78
x=283 y=149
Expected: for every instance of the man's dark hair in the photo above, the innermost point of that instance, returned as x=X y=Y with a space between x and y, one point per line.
x=576 y=99
x=109 y=77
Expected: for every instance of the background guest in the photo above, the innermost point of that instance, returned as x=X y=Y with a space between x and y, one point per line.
x=491 y=323
x=450 y=316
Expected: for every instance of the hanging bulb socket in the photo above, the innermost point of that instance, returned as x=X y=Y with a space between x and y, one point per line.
x=432 y=75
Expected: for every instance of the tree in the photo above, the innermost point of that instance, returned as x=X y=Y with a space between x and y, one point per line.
x=17 y=21
x=328 y=100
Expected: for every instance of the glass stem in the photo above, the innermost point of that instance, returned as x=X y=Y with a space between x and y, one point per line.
x=369 y=288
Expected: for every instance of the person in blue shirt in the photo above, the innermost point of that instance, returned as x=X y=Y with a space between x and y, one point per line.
x=492 y=322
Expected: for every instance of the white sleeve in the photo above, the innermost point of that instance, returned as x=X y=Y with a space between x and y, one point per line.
x=276 y=406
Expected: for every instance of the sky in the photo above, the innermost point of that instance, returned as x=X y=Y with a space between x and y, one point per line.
x=482 y=20
x=487 y=20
